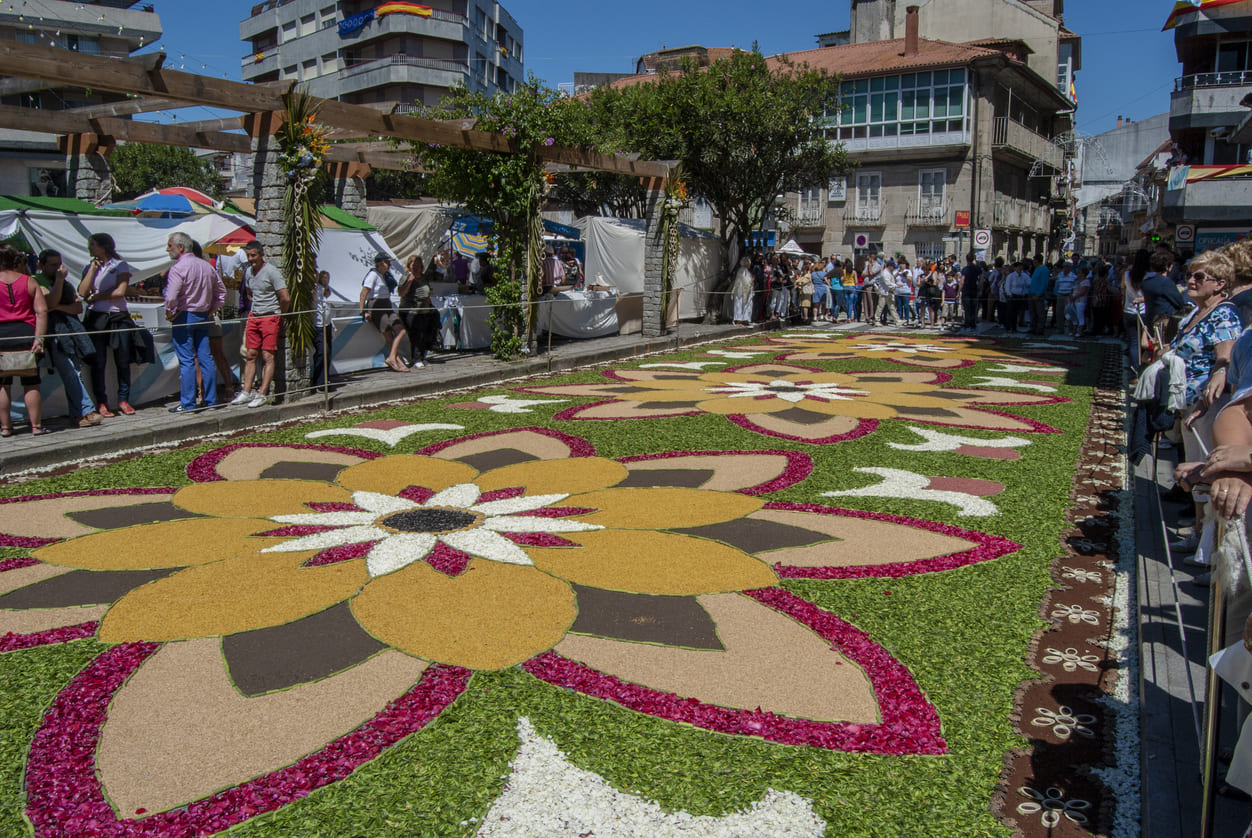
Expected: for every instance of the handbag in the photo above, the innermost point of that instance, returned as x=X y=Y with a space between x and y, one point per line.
x=22 y=363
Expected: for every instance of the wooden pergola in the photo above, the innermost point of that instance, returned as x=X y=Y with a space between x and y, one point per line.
x=86 y=133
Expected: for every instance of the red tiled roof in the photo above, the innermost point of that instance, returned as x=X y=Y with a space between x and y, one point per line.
x=873 y=58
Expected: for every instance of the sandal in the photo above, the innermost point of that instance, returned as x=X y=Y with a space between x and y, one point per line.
x=38 y=430
x=6 y=432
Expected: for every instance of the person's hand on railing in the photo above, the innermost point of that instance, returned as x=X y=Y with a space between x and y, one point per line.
x=1227 y=458
x=1230 y=494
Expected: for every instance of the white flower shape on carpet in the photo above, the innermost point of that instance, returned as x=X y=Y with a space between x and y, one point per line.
x=789 y=391
x=904 y=348
x=405 y=531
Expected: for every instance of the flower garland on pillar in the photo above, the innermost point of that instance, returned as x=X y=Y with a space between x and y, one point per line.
x=303 y=147
x=672 y=202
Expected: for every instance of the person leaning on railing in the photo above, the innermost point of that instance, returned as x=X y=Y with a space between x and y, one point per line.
x=104 y=287
x=23 y=324
x=68 y=346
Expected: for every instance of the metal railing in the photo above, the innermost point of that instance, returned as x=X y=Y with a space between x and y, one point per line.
x=1236 y=78
x=353 y=68
x=927 y=213
x=809 y=216
x=864 y=213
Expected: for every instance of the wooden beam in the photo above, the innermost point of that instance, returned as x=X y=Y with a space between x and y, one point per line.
x=174 y=135
x=45 y=121
x=143 y=104
x=226 y=123
x=594 y=161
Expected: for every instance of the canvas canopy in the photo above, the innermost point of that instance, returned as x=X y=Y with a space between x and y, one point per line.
x=615 y=257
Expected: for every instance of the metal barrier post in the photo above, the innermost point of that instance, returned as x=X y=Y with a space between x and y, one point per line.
x=1212 y=708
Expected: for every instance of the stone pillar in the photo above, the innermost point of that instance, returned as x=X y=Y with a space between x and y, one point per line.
x=653 y=265
x=87 y=167
x=349 y=179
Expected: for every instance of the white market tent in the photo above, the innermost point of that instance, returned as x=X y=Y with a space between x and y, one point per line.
x=615 y=249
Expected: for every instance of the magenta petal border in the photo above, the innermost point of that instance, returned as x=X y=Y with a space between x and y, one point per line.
x=799 y=466
x=65 y=798
x=578 y=446
x=203 y=469
x=13 y=642
x=17 y=563
x=910 y=724
x=988 y=547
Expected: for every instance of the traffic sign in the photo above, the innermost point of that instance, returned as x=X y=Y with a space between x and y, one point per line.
x=982 y=239
x=1184 y=234
x=860 y=240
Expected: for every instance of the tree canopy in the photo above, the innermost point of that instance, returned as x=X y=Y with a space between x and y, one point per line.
x=745 y=129
x=141 y=167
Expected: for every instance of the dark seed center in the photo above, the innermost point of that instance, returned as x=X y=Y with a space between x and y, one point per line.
x=429 y=520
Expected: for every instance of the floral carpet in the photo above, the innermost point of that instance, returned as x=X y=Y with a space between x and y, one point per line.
x=783 y=586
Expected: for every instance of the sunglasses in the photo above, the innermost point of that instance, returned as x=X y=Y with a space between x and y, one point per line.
x=1201 y=276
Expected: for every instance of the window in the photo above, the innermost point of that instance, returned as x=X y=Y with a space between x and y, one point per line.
x=480 y=68
x=308 y=24
x=308 y=70
x=480 y=21
x=291 y=72
x=903 y=105
x=931 y=185
x=931 y=251
x=1232 y=58
x=85 y=45
x=809 y=211
x=869 y=195
x=289 y=31
x=837 y=190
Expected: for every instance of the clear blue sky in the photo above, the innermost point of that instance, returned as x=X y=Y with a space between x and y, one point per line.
x=1128 y=63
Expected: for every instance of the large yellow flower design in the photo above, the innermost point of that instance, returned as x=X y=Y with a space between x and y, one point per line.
x=434 y=558
x=939 y=352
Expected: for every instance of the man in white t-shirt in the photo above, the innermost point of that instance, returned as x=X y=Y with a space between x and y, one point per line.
x=884 y=281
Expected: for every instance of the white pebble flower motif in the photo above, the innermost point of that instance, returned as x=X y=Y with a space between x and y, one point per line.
x=405 y=531
x=1081 y=575
x=789 y=391
x=1052 y=805
x=903 y=348
x=1070 y=660
x=1065 y=722
x=1076 y=614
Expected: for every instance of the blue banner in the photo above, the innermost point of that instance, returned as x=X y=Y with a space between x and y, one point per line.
x=351 y=24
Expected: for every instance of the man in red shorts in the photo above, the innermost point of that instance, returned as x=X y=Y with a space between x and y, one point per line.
x=269 y=300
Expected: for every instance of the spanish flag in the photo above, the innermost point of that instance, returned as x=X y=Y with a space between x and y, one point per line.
x=401 y=7
x=1185 y=8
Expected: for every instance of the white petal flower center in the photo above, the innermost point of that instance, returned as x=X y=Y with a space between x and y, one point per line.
x=404 y=531
x=788 y=391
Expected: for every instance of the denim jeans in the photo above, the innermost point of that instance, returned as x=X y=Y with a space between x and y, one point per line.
x=69 y=369
x=191 y=343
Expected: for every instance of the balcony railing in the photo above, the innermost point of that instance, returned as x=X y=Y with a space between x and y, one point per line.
x=1010 y=134
x=927 y=214
x=1017 y=214
x=353 y=68
x=864 y=214
x=809 y=216
x=1239 y=78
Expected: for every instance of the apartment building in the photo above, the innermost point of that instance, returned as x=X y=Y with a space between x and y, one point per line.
x=956 y=116
x=387 y=55
x=1209 y=186
x=30 y=163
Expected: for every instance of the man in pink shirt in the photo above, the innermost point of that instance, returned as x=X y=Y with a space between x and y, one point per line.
x=193 y=292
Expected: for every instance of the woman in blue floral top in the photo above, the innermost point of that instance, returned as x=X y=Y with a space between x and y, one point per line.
x=1204 y=343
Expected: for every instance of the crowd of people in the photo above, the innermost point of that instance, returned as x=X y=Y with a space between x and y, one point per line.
x=73 y=329
x=1084 y=299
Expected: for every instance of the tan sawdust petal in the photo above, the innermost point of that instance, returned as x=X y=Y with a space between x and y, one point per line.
x=730 y=472
x=770 y=661
x=178 y=730
x=577 y=474
x=189 y=541
x=861 y=541
x=490 y=617
x=259 y=498
x=47 y=518
x=392 y=475
x=540 y=446
x=834 y=426
x=250 y=463
x=662 y=508
x=31 y=620
x=252 y=591
x=644 y=562
x=11 y=580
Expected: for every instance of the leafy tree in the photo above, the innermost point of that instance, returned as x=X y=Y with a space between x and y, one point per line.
x=389 y=184
x=745 y=129
x=141 y=167
x=507 y=188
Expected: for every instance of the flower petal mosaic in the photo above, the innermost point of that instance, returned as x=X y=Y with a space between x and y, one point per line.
x=256 y=634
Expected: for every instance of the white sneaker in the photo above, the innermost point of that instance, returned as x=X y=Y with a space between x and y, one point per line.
x=417 y=365
x=259 y=400
x=243 y=396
